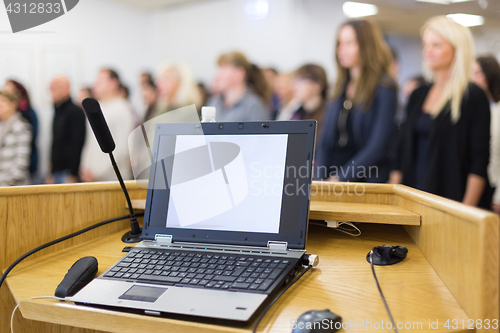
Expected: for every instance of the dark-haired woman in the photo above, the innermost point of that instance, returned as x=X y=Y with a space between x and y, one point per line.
x=310 y=87
x=359 y=124
x=486 y=74
x=243 y=90
x=24 y=107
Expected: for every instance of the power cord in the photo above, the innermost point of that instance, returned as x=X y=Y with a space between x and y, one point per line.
x=337 y=227
x=348 y=231
x=279 y=295
x=41 y=247
x=14 y=311
x=381 y=294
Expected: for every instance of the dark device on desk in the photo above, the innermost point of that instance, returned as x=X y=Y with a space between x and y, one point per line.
x=225 y=222
x=78 y=276
x=318 y=321
x=387 y=255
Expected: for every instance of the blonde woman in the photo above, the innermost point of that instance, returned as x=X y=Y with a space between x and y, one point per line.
x=176 y=88
x=444 y=144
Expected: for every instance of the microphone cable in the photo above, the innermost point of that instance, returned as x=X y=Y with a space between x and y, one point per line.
x=382 y=294
x=61 y=239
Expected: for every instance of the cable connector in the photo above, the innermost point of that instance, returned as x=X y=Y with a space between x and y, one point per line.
x=309 y=260
x=332 y=224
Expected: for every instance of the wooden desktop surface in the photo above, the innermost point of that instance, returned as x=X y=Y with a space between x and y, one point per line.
x=342 y=282
x=452 y=269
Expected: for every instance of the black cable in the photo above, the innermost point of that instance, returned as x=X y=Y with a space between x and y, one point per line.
x=276 y=298
x=134 y=225
x=381 y=294
x=41 y=247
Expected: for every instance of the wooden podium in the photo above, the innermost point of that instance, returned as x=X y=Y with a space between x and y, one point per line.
x=451 y=273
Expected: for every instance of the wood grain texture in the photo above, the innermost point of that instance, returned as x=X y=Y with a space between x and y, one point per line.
x=462 y=245
x=342 y=282
x=22 y=324
x=460 y=242
x=381 y=194
x=362 y=212
x=459 y=252
x=33 y=215
x=138 y=204
x=69 y=188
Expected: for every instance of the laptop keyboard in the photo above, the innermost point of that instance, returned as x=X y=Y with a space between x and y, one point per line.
x=195 y=269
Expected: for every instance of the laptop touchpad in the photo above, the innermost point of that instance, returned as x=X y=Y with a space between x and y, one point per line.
x=142 y=293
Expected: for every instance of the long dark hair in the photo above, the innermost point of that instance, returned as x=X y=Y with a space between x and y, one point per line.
x=254 y=76
x=375 y=58
x=491 y=70
x=315 y=73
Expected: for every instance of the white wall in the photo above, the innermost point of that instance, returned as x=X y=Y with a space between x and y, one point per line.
x=295 y=32
x=409 y=50
x=487 y=41
x=95 y=34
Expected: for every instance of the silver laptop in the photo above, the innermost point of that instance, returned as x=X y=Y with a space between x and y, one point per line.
x=225 y=222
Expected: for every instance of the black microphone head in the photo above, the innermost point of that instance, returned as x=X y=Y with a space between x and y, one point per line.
x=99 y=125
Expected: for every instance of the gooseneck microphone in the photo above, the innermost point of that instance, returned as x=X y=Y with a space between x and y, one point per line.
x=107 y=144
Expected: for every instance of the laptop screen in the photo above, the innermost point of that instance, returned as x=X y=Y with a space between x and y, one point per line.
x=226 y=177
x=223 y=185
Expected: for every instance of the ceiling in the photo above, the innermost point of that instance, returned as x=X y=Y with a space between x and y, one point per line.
x=397 y=16
x=157 y=4
x=408 y=16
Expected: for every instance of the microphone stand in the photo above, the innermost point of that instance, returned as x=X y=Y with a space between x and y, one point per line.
x=134 y=235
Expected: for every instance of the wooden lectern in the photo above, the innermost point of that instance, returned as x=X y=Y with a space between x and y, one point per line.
x=449 y=281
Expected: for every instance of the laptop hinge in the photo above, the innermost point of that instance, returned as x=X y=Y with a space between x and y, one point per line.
x=163 y=239
x=275 y=245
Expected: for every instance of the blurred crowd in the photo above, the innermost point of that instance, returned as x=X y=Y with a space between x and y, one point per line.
x=442 y=137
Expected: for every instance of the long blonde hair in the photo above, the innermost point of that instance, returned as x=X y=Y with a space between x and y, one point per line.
x=375 y=58
x=461 y=39
x=187 y=93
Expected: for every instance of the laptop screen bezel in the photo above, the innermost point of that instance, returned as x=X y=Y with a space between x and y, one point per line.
x=295 y=239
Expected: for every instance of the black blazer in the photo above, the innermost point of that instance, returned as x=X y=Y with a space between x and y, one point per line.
x=68 y=137
x=373 y=129
x=455 y=149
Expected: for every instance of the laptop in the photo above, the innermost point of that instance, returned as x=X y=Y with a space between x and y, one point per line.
x=225 y=222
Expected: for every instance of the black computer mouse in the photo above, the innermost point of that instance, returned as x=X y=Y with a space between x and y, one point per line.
x=318 y=321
